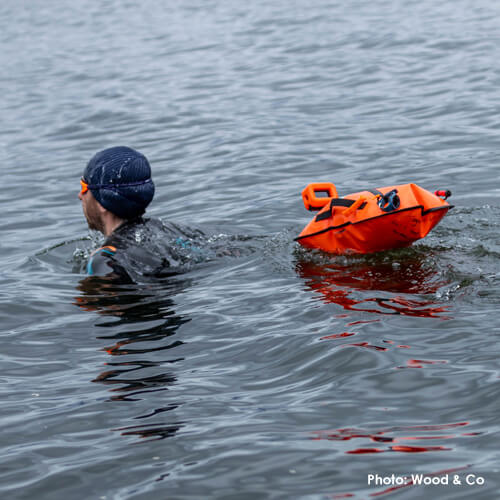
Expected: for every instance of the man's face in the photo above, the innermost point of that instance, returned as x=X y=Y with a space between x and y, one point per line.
x=91 y=210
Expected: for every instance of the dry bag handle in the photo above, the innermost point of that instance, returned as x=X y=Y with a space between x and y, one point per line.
x=313 y=202
x=354 y=206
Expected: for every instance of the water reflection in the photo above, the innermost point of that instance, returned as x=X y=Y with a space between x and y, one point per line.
x=389 y=439
x=377 y=284
x=400 y=439
x=139 y=327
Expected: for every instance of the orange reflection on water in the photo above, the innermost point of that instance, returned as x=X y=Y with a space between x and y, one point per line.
x=412 y=363
x=387 y=435
x=353 y=285
x=404 y=449
x=337 y=336
x=401 y=346
x=419 y=363
x=392 y=442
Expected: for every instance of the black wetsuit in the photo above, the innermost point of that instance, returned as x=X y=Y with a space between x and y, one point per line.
x=142 y=247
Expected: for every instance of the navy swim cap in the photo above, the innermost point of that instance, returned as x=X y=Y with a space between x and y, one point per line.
x=120 y=180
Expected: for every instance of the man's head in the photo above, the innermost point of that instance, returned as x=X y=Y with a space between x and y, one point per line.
x=116 y=180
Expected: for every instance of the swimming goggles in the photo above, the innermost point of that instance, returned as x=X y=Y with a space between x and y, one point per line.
x=85 y=186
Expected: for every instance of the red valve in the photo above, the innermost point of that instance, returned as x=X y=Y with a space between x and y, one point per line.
x=443 y=193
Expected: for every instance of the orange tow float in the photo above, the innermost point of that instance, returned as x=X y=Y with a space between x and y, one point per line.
x=372 y=220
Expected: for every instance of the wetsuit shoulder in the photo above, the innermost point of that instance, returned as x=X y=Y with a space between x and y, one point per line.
x=142 y=248
x=137 y=251
x=102 y=262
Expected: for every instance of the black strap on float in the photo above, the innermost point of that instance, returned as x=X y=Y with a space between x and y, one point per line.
x=376 y=192
x=336 y=202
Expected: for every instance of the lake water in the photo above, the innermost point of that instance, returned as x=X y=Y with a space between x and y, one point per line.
x=273 y=372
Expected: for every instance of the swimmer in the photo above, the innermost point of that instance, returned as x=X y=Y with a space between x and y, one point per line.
x=116 y=189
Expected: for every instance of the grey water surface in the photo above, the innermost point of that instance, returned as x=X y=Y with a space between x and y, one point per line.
x=267 y=371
